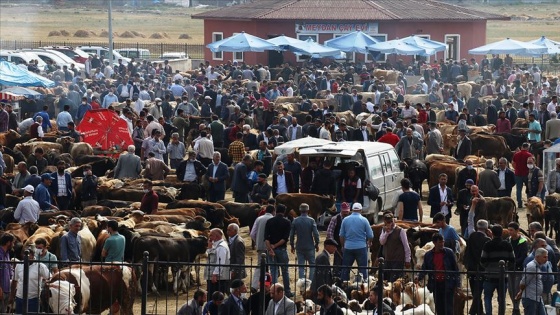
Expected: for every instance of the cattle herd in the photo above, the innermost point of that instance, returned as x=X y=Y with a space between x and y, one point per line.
x=178 y=232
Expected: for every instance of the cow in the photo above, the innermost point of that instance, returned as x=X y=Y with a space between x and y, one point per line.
x=247 y=213
x=417 y=98
x=10 y=163
x=88 y=159
x=348 y=116
x=18 y=156
x=431 y=158
x=167 y=249
x=417 y=172
x=317 y=204
x=420 y=252
x=513 y=140
x=552 y=214
x=520 y=123
x=465 y=89
x=29 y=147
x=98 y=168
x=87 y=246
x=448 y=168
x=91 y=290
x=45 y=217
x=191 y=191
x=91 y=211
x=113 y=203
x=129 y=194
x=490 y=146
x=535 y=210
x=497 y=210
x=8 y=138
x=214 y=212
x=75 y=148
x=390 y=76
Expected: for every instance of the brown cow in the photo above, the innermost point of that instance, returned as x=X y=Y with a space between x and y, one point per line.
x=448 y=168
x=10 y=163
x=94 y=290
x=520 y=123
x=490 y=146
x=91 y=211
x=317 y=204
x=214 y=212
x=9 y=137
x=535 y=210
x=552 y=214
x=29 y=147
x=497 y=210
x=128 y=194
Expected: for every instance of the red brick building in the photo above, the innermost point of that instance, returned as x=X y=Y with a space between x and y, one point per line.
x=461 y=28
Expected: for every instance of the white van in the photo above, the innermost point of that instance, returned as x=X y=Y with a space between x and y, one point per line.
x=137 y=53
x=55 y=56
x=103 y=53
x=377 y=165
x=19 y=57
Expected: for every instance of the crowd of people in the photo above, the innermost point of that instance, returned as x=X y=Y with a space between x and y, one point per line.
x=232 y=107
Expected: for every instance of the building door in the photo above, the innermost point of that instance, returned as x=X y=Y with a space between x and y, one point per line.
x=453 y=46
x=275 y=58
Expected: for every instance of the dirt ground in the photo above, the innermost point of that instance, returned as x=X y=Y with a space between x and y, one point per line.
x=173 y=302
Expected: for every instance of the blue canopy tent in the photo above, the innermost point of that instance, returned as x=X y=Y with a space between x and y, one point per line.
x=286 y=43
x=552 y=47
x=399 y=47
x=12 y=75
x=315 y=50
x=21 y=91
x=424 y=43
x=240 y=43
x=509 y=46
x=352 y=42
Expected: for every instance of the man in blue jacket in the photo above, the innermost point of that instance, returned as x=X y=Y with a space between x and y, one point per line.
x=61 y=187
x=443 y=275
x=42 y=195
x=217 y=174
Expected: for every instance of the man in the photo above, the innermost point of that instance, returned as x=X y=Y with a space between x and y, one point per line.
x=450 y=236
x=236 y=149
x=218 y=271
x=194 y=307
x=488 y=180
x=150 y=200
x=473 y=251
x=506 y=177
x=325 y=299
x=204 y=148
x=63 y=119
x=443 y=285
x=520 y=249
x=261 y=190
x=362 y=133
x=535 y=180
x=217 y=174
x=519 y=161
x=181 y=121
x=469 y=172
x=27 y=209
x=7 y=242
x=155 y=168
x=61 y=187
x=294 y=167
x=395 y=248
x=305 y=228
x=258 y=237
x=409 y=205
x=294 y=130
x=552 y=129
x=324 y=180
x=534 y=130
x=240 y=184
x=42 y=194
x=237 y=252
x=351 y=188
x=175 y=151
x=409 y=147
x=235 y=304
x=113 y=249
x=38 y=160
x=389 y=137
x=463 y=146
x=355 y=236
x=217 y=131
x=37 y=274
x=128 y=165
x=71 y=242
x=492 y=252
x=441 y=199
x=323 y=272
x=503 y=124
x=531 y=285
x=280 y=303
x=333 y=232
x=282 y=181
x=19 y=180
x=434 y=140
x=44 y=256
x=89 y=187
x=190 y=170
x=276 y=235
x=371 y=303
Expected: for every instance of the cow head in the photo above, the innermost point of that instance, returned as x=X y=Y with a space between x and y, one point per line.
x=450 y=141
x=328 y=203
x=199 y=223
x=60 y=295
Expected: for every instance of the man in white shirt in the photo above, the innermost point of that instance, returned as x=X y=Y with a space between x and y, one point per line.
x=28 y=209
x=289 y=89
x=325 y=133
x=127 y=116
x=424 y=86
x=153 y=124
x=369 y=105
x=204 y=149
x=553 y=104
x=138 y=105
x=37 y=273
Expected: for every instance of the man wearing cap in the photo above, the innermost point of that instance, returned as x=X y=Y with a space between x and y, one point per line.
x=305 y=228
x=61 y=187
x=28 y=209
x=356 y=236
x=42 y=194
x=235 y=304
x=190 y=170
x=463 y=145
x=396 y=250
x=217 y=272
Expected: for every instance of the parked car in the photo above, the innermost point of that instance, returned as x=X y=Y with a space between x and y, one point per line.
x=173 y=55
x=22 y=57
x=55 y=56
x=103 y=53
x=137 y=53
x=76 y=54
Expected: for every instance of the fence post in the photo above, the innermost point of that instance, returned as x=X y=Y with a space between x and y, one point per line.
x=144 y=283
x=502 y=284
x=379 y=284
x=25 y=281
x=262 y=266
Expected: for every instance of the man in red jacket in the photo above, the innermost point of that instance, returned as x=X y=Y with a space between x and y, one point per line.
x=389 y=137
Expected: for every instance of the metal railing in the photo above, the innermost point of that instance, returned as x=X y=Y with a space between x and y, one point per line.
x=167 y=302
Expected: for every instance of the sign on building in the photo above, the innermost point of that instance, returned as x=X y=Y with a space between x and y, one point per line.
x=334 y=28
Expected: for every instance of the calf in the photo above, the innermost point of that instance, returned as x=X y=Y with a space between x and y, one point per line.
x=497 y=210
x=552 y=214
x=535 y=210
x=317 y=204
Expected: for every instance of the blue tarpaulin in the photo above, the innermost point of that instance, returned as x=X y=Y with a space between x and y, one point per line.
x=12 y=75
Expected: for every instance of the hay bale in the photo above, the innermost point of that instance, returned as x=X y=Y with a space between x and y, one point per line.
x=92 y=33
x=104 y=33
x=127 y=34
x=138 y=34
x=82 y=34
x=157 y=35
x=185 y=36
x=64 y=33
x=54 y=33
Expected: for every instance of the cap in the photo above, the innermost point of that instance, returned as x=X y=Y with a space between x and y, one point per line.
x=262 y=175
x=469 y=182
x=237 y=283
x=207 y=97
x=46 y=176
x=383 y=125
x=357 y=206
x=158 y=99
x=344 y=207
x=29 y=189
x=421 y=79
x=330 y=241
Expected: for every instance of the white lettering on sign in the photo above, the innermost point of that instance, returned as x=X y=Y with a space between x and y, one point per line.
x=370 y=28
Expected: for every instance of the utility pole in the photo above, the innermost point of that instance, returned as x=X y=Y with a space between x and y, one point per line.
x=111 y=33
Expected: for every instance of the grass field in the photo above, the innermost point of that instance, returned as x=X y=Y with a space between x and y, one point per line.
x=35 y=22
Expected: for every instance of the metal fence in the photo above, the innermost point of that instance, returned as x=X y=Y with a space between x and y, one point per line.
x=194 y=51
x=165 y=301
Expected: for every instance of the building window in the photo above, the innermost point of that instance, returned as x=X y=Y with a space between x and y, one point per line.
x=349 y=56
x=378 y=57
x=314 y=37
x=216 y=36
x=238 y=55
x=453 y=42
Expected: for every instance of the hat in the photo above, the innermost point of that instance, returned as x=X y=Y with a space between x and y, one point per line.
x=330 y=241
x=345 y=206
x=29 y=189
x=158 y=99
x=262 y=175
x=237 y=283
x=383 y=125
x=357 y=206
x=421 y=79
x=46 y=176
x=469 y=182
x=207 y=97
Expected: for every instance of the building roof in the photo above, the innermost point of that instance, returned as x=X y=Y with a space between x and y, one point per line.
x=353 y=10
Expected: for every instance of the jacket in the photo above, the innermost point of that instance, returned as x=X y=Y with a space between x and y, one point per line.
x=299 y=133
x=323 y=183
x=240 y=183
x=492 y=252
x=407 y=149
x=323 y=273
x=181 y=169
x=434 y=199
x=286 y=307
x=489 y=182
x=222 y=174
x=53 y=188
x=453 y=278
x=509 y=180
x=465 y=149
x=43 y=197
x=230 y=307
x=89 y=188
x=260 y=192
x=237 y=258
x=475 y=242
x=289 y=183
x=128 y=166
